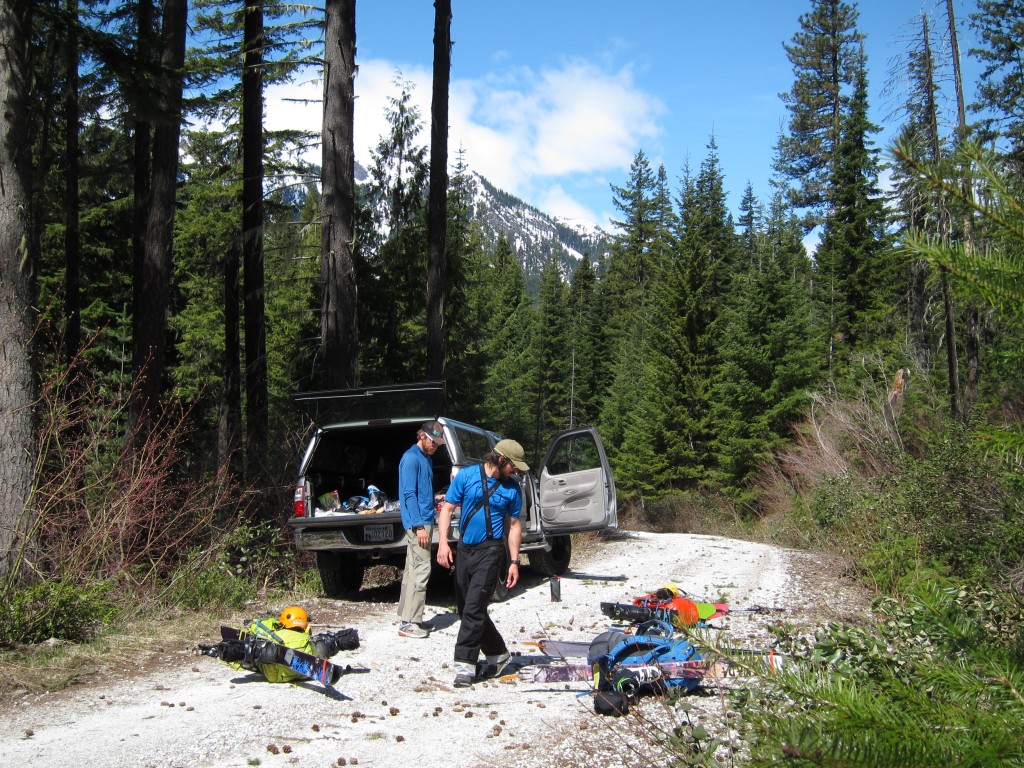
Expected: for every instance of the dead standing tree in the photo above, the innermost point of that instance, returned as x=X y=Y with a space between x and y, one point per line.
x=437 y=206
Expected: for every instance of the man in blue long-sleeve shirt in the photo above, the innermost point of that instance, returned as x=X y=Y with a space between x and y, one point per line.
x=416 y=496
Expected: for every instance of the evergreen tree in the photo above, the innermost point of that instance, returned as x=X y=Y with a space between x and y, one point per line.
x=635 y=268
x=551 y=355
x=630 y=266
x=1001 y=90
x=825 y=55
x=391 y=260
x=768 y=360
x=750 y=224
x=586 y=345
x=509 y=394
x=708 y=254
x=856 y=273
x=466 y=263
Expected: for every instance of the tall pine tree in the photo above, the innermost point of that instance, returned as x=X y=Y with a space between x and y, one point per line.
x=825 y=55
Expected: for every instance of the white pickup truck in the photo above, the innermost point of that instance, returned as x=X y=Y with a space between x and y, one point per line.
x=346 y=497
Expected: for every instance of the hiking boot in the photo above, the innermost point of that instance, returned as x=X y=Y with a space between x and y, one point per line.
x=408 y=629
x=463 y=680
x=502 y=665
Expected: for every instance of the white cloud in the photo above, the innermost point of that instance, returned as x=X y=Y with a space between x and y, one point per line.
x=538 y=135
x=556 y=201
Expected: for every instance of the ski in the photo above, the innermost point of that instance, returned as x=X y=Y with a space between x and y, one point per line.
x=566 y=672
x=306 y=664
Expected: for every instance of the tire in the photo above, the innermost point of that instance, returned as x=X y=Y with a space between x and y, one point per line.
x=340 y=577
x=555 y=562
x=500 y=590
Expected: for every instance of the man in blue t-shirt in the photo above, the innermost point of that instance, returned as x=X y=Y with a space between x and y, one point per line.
x=489 y=495
x=416 y=497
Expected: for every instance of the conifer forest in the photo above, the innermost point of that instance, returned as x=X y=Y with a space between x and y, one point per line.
x=172 y=273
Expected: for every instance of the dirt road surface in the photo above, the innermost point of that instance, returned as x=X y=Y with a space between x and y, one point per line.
x=189 y=710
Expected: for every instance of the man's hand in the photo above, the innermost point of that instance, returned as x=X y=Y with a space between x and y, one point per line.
x=444 y=554
x=513 y=576
x=423 y=537
x=444 y=521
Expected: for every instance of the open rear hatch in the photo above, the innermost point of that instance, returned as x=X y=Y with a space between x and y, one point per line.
x=421 y=400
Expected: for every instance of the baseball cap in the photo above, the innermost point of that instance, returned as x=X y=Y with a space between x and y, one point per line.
x=434 y=431
x=514 y=452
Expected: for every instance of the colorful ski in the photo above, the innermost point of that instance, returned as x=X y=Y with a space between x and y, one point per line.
x=306 y=664
x=566 y=672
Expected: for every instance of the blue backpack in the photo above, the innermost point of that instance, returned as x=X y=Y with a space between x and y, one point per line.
x=629 y=664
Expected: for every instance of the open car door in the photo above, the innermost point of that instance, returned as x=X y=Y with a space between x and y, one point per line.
x=577 y=491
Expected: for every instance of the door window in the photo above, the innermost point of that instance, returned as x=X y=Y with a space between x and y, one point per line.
x=574 y=454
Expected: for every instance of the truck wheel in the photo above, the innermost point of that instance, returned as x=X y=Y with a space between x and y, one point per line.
x=339 y=577
x=555 y=562
x=500 y=590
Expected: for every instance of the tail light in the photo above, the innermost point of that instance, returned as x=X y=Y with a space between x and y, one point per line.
x=299 y=502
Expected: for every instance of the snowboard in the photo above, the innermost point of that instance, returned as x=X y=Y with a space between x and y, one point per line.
x=306 y=664
x=559 y=673
x=563 y=649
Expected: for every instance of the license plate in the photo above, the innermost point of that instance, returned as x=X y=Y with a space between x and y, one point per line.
x=378 y=533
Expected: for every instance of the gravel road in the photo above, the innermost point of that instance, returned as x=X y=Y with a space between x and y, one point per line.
x=190 y=710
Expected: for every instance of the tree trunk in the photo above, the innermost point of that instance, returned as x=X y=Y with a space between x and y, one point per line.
x=142 y=146
x=437 y=206
x=72 y=239
x=339 y=334
x=149 y=342
x=973 y=341
x=256 y=408
x=229 y=439
x=952 y=363
x=17 y=383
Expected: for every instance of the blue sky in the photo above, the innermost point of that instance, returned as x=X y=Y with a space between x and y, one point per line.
x=552 y=100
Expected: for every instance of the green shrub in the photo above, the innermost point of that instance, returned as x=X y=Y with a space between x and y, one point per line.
x=232 y=569
x=57 y=609
x=954 y=501
x=834 y=502
x=938 y=681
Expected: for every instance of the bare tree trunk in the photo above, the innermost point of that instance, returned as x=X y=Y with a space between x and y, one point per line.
x=339 y=334
x=437 y=206
x=256 y=407
x=72 y=239
x=17 y=383
x=973 y=341
x=149 y=343
x=952 y=363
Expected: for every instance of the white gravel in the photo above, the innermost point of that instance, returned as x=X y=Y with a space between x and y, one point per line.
x=195 y=711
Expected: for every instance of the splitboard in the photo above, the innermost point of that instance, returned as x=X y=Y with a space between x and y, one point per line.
x=306 y=664
x=566 y=672
x=563 y=649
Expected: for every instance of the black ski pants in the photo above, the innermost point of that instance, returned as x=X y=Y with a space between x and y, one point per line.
x=476 y=575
